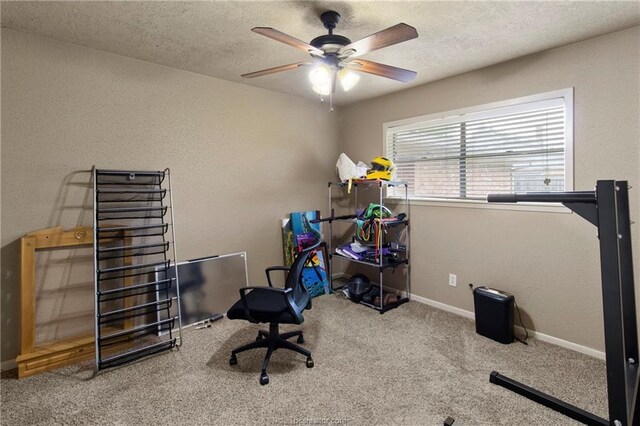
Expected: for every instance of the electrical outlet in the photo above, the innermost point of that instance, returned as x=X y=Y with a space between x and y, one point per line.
x=452 y=280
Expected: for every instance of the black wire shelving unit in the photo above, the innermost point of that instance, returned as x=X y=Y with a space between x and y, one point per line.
x=134 y=252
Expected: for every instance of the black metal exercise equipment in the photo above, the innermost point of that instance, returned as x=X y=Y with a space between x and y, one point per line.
x=608 y=209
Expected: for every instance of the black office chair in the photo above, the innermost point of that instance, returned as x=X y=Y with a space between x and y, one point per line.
x=275 y=306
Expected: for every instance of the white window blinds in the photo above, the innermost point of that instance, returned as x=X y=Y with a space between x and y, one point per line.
x=515 y=148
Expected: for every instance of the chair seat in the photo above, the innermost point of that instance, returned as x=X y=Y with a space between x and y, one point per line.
x=266 y=306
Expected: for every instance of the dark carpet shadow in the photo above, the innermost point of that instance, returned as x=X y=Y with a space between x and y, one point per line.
x=250 y=362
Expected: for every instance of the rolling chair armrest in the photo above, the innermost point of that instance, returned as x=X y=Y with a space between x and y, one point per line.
x=287 y=294
x=274 y=268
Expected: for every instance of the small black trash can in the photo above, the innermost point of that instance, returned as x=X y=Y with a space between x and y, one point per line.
x=494 y=314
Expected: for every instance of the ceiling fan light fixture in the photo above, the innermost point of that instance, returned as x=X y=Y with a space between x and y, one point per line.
x=320 y=75
x=324 y=89
x=348 y=79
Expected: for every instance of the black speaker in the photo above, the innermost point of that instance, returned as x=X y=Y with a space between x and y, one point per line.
x=494 y=314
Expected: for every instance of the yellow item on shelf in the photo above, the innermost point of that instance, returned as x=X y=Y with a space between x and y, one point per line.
x=381 y=168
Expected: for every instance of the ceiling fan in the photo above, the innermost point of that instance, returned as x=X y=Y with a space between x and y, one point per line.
x=335 y=56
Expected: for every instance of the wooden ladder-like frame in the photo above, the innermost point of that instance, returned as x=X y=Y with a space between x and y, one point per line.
x=37 y=359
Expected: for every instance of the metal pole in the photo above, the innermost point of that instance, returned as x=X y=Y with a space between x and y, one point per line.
x=379 y=246
x=407 y=244
x=95 y=268
x=544 y=197
x=626 y=271
x=612 y=300
x=355 y=186
x=547 y=400
x=246 y=271
x=175 y=256
x=329 y=243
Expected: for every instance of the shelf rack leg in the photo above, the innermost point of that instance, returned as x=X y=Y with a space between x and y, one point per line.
x=329 y=244
x=381 y=272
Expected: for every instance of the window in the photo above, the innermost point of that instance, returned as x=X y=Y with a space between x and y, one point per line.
x=520 y=145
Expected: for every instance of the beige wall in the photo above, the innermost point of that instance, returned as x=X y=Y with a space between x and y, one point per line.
x=241 y=157
x=548 y=260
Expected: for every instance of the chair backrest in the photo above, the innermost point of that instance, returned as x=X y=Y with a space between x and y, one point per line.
x=294 y=277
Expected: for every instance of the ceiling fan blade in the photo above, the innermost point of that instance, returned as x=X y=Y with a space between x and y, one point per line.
x=392 y=35
x=382 y=70
x=287 y=39
x=275 y=69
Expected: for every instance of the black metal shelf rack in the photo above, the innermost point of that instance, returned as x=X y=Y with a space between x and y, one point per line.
x=134 y=249
x=382 y=263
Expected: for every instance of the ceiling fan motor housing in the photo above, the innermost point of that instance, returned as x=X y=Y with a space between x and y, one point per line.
x=330 y=42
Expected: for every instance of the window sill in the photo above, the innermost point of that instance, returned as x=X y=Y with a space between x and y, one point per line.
x=471 y=204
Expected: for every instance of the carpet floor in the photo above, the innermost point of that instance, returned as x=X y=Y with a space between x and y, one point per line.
x=415 y=365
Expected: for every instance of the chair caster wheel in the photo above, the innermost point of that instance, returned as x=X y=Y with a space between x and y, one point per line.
x=300 y=339
x=309 y=363
x=264 y=379
x=233 y=360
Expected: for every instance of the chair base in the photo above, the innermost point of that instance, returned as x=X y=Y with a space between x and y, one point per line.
x=272 y=340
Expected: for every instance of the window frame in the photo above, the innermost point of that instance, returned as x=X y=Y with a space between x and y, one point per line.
x=485 y=110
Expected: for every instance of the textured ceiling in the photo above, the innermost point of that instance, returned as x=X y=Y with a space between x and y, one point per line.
x=214 y=37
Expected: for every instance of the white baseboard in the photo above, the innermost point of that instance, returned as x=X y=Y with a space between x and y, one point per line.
x=540 y=336
x=564 y=343
x=444 y=307
x=8 y=365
